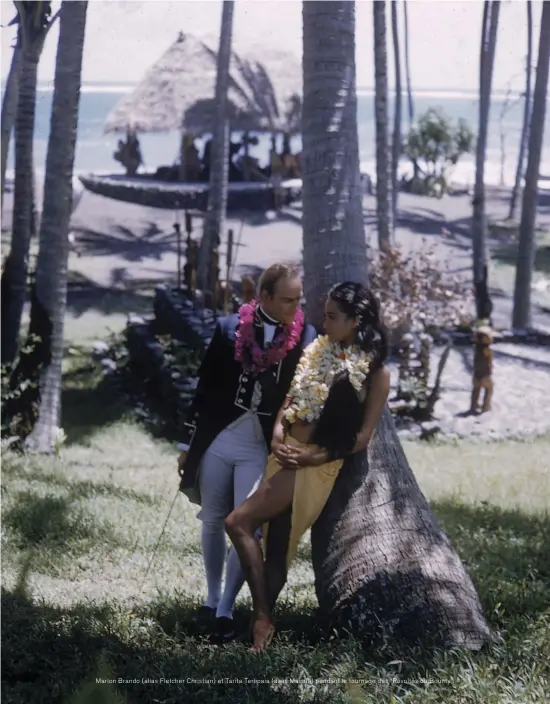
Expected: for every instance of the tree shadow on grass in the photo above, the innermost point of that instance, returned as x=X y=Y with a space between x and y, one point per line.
x=89 y=402
x=52 y=530
x=506 y=552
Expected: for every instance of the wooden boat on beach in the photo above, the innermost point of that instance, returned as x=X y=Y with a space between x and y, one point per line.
x=153 y=193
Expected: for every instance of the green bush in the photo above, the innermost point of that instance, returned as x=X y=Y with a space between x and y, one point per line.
x=434 y=145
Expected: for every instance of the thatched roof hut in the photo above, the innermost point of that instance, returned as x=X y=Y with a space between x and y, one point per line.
x=177 y=92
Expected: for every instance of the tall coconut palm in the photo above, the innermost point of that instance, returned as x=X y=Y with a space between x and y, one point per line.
x=9 y=109
x=49 y=297
x=521 y=316
x=514 y=196
x=396 y=138
x=410 y=102
x=383 y=199
x=479 y=220
x=379 y=554
x=217 y=196
x=333 y=229
x=34 y=22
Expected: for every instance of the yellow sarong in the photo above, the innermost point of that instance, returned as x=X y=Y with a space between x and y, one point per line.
x=312 y=488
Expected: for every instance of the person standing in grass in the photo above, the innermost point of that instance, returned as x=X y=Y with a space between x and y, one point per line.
x=333 y=407
x=243 y=380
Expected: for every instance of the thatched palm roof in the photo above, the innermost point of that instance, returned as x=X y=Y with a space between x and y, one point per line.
x=177 y=92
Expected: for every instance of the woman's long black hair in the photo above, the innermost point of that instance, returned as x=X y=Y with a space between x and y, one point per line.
x=342 y=416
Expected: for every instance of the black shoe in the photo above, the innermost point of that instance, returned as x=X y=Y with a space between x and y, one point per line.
x=224 y=630
x=204 y=618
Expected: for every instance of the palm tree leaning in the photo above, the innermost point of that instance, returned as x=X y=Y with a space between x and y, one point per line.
x=217 y=194
x=49 y=295
x=521 y=316
x=380 y=557
x=34 y=23
x=491 y=10
x=383 y=198
x=514 y=196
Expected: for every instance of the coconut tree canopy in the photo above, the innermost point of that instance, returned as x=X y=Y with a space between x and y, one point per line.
x=177 y=92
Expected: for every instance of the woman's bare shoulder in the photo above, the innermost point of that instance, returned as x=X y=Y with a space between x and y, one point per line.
x=380 y=380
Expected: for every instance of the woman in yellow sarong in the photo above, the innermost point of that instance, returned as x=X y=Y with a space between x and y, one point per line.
x=332 y=409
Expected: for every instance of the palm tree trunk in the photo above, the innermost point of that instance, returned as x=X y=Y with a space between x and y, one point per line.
x=14 y=277
x=479 y=221
x=9 y=109
x=379 y=555
x=382 y=561
x=521 y=316
x=396 y=139
x=383 y=200
x=408 y=66
x=217 y=197
x=526 y=114
x=333 y=228
x=49 y=297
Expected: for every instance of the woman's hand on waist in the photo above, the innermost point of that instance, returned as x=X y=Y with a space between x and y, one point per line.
x=297 y=458
x=279 y=449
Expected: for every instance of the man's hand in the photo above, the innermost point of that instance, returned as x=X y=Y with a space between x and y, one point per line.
x=181 y=462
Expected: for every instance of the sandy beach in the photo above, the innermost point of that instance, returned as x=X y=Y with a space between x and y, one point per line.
x=126 y=247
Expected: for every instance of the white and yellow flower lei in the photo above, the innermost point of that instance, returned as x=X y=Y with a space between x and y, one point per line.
x=320 y=363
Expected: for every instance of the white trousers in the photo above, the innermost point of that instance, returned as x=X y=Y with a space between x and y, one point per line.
x=231 y=470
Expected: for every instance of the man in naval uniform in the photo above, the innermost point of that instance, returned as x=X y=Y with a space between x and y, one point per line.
x=243 y=380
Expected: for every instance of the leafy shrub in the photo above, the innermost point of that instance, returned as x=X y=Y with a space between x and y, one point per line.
x=434 y=145
x=417 y=292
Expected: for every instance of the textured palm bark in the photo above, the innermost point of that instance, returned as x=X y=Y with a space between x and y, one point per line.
x=333 y=230
x=410 y=102
x=381 y=119
x=217 y=194
x=521 y=316
x=50 y=290
x=514 y=196
x=9 y=109
x=16 y=266
x=382 y=562
x=479 y=218
x=396 y=138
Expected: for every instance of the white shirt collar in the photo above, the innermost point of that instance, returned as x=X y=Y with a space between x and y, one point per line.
x=271 y=320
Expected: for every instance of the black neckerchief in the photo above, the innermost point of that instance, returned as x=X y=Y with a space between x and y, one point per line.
x=261 y=318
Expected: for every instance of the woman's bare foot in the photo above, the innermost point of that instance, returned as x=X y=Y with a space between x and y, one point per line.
x=263 y=631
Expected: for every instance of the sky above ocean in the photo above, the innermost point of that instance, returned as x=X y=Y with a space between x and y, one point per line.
x=123 y=38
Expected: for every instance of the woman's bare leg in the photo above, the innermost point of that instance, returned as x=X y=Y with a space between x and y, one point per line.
x=275 y=571
x=271 y=499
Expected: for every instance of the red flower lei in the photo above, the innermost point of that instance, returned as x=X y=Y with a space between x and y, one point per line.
x=247 y=351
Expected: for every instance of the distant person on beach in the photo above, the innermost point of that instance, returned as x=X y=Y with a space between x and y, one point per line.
x=128 y=153
x=330 y=413
x=243 y=380
x=290 y=162
x=191 y=161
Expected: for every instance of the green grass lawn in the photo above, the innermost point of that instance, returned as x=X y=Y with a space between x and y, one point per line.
x=78 y=531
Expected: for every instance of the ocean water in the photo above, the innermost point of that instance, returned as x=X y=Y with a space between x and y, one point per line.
x=94 y=151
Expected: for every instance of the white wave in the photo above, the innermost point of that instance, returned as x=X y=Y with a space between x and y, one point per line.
x=92 y=88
